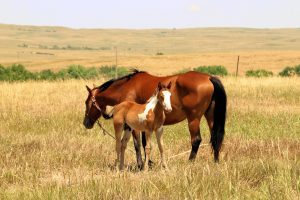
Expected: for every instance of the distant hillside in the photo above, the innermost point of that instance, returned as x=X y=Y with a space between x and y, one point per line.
x=55 y=47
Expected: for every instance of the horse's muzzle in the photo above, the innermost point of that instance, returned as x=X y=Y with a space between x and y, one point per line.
x=88 y=123
x=168 y=110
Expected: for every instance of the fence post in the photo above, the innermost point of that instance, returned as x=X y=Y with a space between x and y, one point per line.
x=116 y=70
x=237 y=66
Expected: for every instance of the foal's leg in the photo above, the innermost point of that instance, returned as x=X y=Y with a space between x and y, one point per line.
x=159 y=138
x=124 y=142
x=118 y=133
x=137 y=146
x=144 y=147
x=147 y=149
x=194 y=128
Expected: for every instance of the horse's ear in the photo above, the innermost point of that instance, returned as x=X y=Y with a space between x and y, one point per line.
x=169 y=85
x=88 y=89
x=159 y=86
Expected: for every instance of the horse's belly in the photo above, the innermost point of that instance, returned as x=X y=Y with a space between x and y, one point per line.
x=134 y=123
x=174 y=117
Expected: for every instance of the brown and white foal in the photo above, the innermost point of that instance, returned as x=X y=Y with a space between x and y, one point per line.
x=147 y=117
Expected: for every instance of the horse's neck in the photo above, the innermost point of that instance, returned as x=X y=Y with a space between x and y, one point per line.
x=158 y=109
x=116 y=93
x=110 y=97
x=152 y=103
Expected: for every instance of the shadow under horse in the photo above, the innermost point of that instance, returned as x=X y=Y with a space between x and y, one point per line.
x=194 y=94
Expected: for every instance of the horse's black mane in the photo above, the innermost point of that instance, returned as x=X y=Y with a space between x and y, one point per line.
x=106 y=85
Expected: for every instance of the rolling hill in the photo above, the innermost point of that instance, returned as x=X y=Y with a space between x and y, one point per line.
x=159 y=51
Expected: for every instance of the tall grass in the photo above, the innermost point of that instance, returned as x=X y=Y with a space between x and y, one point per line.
x=46 y=153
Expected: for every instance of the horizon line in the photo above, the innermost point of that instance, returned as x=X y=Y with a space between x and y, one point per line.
x=144 y=28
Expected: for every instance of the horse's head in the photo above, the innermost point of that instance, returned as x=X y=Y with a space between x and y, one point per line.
x=93 y=109
x=164 y=96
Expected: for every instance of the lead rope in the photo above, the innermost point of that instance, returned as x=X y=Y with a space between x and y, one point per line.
x=104 y=131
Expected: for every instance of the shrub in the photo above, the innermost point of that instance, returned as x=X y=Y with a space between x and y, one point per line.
x=110 y=71
x=2 y=73
x=80 y=72
x=159 y=53
x=297 y=70
x=288 y=71
x=46 y=75
x=19 y=73
x=16 y=72
x=213 y=70
x=259 y=73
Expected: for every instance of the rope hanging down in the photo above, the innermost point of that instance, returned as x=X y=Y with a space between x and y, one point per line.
x=104 y=131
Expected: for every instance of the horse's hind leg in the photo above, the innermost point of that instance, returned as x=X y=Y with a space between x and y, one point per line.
x=144 y=147
x=125 y=139
x=159 y=133
x=147 y=149
x=137 y=146
x=194 y=128
x=118 y=126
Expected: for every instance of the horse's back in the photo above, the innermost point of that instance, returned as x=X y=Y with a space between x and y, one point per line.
x=124 y=106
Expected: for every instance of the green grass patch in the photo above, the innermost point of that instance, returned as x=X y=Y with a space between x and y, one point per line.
x=259 y=73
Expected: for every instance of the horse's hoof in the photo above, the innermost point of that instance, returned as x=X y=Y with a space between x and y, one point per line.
x=151 y=163
x=140 y=166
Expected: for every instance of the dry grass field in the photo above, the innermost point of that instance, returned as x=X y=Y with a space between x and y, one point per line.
x=56 y=47
x=46 y=153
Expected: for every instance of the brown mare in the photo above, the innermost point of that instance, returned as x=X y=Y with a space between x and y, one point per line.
x=194 y=94
x=147 y=117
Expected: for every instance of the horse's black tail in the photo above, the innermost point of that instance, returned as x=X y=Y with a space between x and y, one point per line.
x=218 y=130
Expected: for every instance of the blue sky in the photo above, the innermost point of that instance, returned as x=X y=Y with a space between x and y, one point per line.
x=152 y=13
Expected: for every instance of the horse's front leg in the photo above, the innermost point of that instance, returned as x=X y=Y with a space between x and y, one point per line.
x=147 y=149
x=137 y=147
x=158 y=134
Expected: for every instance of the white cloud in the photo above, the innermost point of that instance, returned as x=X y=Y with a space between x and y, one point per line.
x=194 y=8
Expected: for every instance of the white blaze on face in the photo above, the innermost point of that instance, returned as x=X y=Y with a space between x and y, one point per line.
x=167 y=100
x=150 y=106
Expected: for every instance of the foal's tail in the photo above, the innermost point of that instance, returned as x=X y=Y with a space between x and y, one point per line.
x=218 y=130
x=108 y=114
